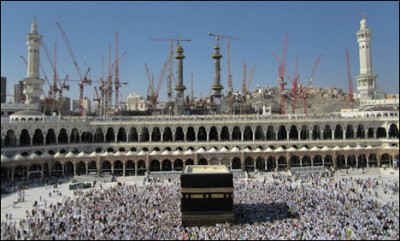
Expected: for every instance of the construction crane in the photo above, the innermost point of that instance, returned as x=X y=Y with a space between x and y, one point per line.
x=294 y=82
x=282 y=71
x=304 y=90
x=97 y=98
x=63 y=86
x=191 y=88
x=84 y=80
x=55 y=89
x=350 y=95
x=154 y=93
x=246 y=81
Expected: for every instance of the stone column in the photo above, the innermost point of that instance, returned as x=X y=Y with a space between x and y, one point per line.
x=98 y=165
x=74 y=168
x=87 y=166
x=31 y=138
x=63 y=169
x=12 y=173
x=334 y=160
x=123 y=168
x=265 y=164
x=136 y=167
x=356 y=161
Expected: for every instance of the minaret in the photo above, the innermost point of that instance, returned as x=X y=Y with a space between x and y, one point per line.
x=217 y=87
x=180 y=88
x=366 y=85
x=32 y=83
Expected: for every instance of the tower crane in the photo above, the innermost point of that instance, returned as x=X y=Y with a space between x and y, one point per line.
x=154 y=93
x=294 y=82
x=191 y=88
x=246 y=81
x=97 y=98
x=304 y=90
x=350 y=95
x=281 y=71
x=55 y=88
x=84 y=80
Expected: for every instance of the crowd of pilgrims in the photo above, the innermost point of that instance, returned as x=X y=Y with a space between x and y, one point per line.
x=284 y=207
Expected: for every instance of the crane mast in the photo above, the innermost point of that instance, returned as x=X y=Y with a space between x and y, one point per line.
x=116 y=83
x=281 y=72
x=304 y=90
x=350 y=95
x=84 y=79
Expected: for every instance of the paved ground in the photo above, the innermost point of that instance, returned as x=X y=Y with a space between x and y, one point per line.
x=41 y=193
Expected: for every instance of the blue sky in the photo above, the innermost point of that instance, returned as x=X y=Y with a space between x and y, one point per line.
x=326 y=28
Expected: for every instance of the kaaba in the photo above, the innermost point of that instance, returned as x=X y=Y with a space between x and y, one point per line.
x=206 y=195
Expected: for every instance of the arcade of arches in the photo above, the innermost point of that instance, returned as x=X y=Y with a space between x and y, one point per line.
x=54 y=161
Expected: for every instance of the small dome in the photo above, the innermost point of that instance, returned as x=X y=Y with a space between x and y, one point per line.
x=154 y=153
x=166 y=152
x=177 y=152
x=130 y=153
x=189 y=152
x=363 y=22
x=59 y=155
x=34 y=156
x=235 y=149
x=4 y=158
x=201 y=150
x=258 y=150
x=247 y=149
x=94 y=154
x=18 y=157
x=269 y=149
x=46 y=155
x=212 y=150
x=26 y=113
x=224 y=149
x=70 y=155
x=81 y=155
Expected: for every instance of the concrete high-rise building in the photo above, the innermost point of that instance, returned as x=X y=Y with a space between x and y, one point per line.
x=87 y=109
x=19 y=97
x=75 y=106
x=366 y=80
x=65 y=108
x=33 y=84
x=136 y=102
x=3 y=89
